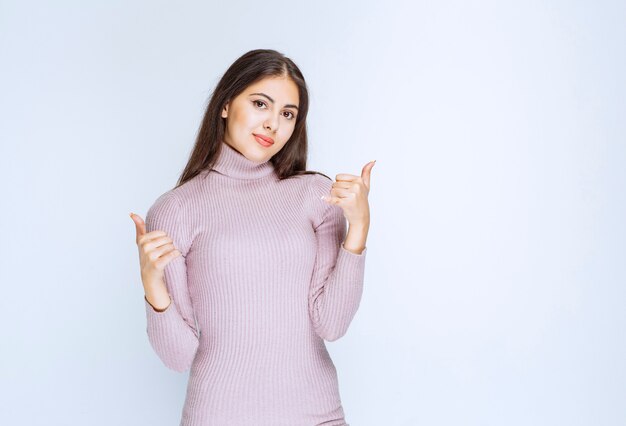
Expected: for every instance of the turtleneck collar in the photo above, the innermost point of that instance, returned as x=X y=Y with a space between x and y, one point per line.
x=231 y=162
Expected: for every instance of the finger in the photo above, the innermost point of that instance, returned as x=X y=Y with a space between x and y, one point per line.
x=162 y=250
x=345 y=177
x=343 y=184
x=331 y=200
x=342 y=193
x=162 y=261
x=366 y=173
x=158 y=242
x=151 y=236
x=140 y=226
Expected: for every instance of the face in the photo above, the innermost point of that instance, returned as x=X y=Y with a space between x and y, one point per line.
x=266 y=108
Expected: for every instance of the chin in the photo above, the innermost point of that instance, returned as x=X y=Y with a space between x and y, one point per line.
x=255 y=154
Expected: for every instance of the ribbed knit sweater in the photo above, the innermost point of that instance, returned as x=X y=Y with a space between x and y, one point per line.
x=263 y=279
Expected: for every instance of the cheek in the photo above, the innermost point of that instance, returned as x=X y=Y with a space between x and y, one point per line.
x=244 y=118
x=253 y=119
x=287 y=130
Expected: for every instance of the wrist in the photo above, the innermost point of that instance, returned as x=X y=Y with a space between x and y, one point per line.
x=362 y=224
x=159 y=299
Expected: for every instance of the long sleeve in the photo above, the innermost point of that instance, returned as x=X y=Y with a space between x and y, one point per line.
x=172 y=333
x=337 y=281
x=267 y=281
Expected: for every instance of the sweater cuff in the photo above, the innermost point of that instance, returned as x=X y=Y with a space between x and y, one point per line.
x=152 y=312
x=350 y=261
x=362 y=254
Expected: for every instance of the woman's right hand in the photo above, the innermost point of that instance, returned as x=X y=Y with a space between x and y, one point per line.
x=156 y=250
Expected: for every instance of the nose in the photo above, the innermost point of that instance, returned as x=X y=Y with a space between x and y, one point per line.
x=271 y=124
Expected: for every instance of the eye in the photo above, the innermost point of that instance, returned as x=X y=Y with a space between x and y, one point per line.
x=257 y=102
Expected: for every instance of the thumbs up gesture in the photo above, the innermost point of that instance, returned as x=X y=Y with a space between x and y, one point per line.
x=156 y=250
x=350 y=192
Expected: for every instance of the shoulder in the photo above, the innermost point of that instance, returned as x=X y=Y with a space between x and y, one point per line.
x=319 y=185
x=174 y=204
x=181 y=197
x=189 y=191
x=168 y=214
x=316 y=186
x=166 y=204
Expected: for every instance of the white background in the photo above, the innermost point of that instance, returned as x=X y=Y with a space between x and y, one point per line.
x=495 y=280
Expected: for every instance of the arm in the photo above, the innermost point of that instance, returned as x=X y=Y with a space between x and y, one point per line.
x=172 y=332
x=337 y=282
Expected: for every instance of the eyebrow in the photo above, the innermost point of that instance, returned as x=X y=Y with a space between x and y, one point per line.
x=272 y=100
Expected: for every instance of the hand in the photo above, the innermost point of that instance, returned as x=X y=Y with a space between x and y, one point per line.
x=156 y=250
x=350 y=192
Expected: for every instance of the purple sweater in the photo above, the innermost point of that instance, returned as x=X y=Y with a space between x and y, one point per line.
x=262 y=280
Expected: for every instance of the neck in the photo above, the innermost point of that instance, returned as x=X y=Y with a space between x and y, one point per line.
x=232 y=163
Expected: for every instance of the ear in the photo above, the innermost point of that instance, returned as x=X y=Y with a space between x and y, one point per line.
x=225 y=111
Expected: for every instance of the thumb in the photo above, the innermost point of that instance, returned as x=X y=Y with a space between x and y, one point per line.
x=366 y=173
x=140 y=225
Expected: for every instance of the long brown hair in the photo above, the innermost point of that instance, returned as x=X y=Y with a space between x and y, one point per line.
x=246 y=70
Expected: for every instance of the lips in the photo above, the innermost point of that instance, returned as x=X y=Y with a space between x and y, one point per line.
x=265 y=138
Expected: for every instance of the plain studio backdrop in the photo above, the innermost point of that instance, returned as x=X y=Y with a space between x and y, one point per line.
x=495 y=280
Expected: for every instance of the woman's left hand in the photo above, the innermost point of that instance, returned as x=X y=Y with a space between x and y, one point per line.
x=350 y=193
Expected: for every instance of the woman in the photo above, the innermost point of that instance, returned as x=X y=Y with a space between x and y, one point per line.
x=244 y=264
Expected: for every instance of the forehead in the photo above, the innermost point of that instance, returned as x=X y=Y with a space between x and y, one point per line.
x=282 y=89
